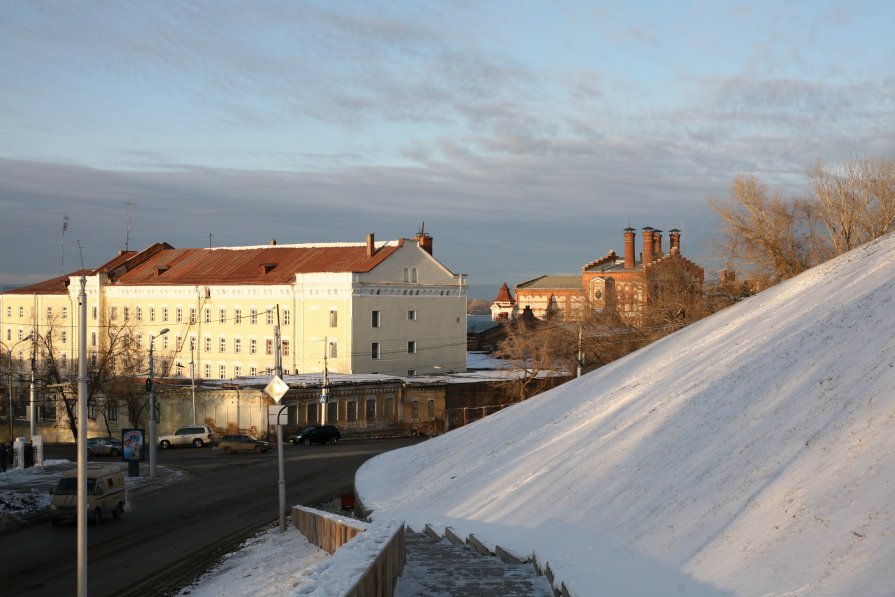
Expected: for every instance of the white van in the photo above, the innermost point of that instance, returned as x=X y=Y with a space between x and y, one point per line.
x=105 y=494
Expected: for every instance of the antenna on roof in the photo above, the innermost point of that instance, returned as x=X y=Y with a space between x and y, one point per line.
x=209 y=239
x=65 y=220
x=81 y=252
x=127 y=224
x=423 y=229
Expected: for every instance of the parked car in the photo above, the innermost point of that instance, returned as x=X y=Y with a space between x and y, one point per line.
x=106 y=494
x=243 y=443
x=103 y=446
x=198 y=436
x=317 y=434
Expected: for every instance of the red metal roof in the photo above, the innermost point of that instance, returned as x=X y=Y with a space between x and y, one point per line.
x=504 y=295
x=252 y=265
x=57 y=285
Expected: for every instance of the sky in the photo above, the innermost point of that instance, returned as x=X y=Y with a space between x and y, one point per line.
x=526 y=136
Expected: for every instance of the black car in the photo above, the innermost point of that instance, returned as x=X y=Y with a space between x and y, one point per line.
x=317 y=434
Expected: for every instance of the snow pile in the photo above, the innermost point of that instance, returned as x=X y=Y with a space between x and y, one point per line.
x=752 y=453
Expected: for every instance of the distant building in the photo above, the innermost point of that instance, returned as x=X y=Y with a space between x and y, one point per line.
x=625 y=285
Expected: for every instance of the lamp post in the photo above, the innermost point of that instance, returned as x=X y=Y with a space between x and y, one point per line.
x=9 y=379
x=153 y=440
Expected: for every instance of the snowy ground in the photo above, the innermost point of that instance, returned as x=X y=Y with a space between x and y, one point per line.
x=752 y=453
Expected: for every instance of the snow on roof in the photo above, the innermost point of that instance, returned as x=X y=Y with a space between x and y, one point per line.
x=751 y=453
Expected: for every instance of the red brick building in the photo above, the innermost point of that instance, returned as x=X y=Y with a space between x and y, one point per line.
x=626 y=285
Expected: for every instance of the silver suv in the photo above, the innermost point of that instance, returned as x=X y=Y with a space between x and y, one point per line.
x=197 y=436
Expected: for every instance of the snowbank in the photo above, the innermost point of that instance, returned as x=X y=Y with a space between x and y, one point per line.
x=752 y=453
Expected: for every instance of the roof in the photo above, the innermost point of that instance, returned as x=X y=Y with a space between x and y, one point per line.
x=564 y=282
x=276 y=264
x=504 y=295
x=57 y=285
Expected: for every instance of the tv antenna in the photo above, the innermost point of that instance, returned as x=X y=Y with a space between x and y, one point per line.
x=127 y=224
x=65 y=220
x=81 y=253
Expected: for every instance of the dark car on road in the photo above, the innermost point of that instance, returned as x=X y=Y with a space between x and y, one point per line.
x=317 y=434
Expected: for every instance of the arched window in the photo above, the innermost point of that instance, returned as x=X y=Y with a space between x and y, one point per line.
x=406 y=275
x=414 y=276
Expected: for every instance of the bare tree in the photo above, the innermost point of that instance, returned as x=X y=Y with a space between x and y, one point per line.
x=537 y=347
x=114 y=366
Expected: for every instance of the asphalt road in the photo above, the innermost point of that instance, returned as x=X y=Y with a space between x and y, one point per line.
x=172 y=532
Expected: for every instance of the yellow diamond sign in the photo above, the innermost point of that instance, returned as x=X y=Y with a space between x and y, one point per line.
x=277 y=388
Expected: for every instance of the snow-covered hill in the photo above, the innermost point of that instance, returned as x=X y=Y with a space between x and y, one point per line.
x=752 y=453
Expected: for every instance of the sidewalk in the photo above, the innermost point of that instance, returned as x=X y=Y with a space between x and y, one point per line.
x=438 y=568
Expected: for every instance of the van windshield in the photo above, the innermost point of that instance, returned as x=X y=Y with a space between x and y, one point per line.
x=69 y=486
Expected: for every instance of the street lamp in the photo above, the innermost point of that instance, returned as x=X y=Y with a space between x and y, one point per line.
x=9 y=379
x=153 y=440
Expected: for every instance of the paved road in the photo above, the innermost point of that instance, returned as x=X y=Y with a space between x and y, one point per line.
x=172 y=532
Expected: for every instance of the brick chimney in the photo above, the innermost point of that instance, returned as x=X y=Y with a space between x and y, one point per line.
x=648 y=245
x=371 y=245
x=629 y=248
x=657 y=244
x=674 y=238
x=425 y=241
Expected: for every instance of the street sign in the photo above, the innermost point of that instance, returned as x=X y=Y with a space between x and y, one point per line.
x=277 y=415
x=323 y=399
x=277 y=388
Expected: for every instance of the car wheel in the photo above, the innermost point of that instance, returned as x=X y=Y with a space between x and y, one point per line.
x=227 y=449
x=97 y=516
x=198 y=443
x=331 y=440
x=258 y=449
x=119 y=510
x=306 y=442
x=114 y=452
x=165 y=444
x=89 y=452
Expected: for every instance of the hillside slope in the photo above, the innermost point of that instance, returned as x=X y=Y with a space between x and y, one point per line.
x=752 y=453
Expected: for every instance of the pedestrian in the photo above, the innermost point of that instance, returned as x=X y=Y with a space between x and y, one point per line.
x=3 y=455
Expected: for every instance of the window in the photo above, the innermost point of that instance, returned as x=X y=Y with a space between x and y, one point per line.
x=207 y=315
x=411 y=315
x=207 y=343
x=207 y=370
x=165 y=314
x=333 y=349
x=376 y=319
x=286 y=317
x=414 y=276
x=127 y=313
x=112 y=409
x=93 y=359
x=50 y=313
x=151 y=314
x=411 y=347
x=333 y=318
x=237 y=370
x=22 y=312
x=192 y=315
x=375 y=350
x=63 y=360
x=269 y=316
x=406 y=275
x=352 y=410
x=268 y=347
x=222 y=371
x=311 y=412
x=139 y=313
x=179 y=344
x=237 y=316
x=63 y=336
x=114 y=315
x=253 y=371
x=430 y=410
x=64 y=312
x=389 y=409
x=192 y=344
x=237 y=345
x=165 y=342
x=94 y=313
x=178 y=314
x=91 y=409
x=253 y=346
x=332 y=412
x=253 y=316
x=222 y=315
x=371 y=409
x=140 y=341
x=285 y=348
x=222 y=345
x=415 y=410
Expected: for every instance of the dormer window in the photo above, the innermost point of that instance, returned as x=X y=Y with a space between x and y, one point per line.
x=266 y=268
x=160 y=269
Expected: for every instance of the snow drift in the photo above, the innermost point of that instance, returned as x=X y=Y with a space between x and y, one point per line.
x=752 y=453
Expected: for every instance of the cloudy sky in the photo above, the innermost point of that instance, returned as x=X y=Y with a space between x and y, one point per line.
x=526 y=135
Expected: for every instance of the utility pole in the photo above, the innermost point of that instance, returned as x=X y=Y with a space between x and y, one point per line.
x=153 y=418
x=193 y=380
x=82 y=438
x=281 y=480
x=324 y=395
x=580 y=353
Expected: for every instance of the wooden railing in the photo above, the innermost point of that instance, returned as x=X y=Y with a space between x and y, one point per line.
x=330 y=532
